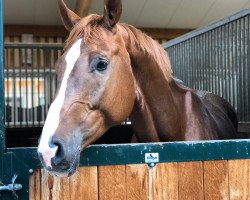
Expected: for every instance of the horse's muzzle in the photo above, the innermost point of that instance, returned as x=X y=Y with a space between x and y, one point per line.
x=61 y=162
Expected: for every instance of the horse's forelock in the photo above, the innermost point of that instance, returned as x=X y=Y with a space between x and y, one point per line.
x=89 y=28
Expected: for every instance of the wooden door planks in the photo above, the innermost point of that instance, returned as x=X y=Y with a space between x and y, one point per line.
x=43 y=186
x=239 y=179
x=166 y=181
x=216 y=180
x=54 y=188
x=35 y=185
x=137 y=180
x=84 y=184
x=190 y=175
x=112 y=182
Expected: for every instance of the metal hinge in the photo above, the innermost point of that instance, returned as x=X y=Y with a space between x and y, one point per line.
x=13 y=187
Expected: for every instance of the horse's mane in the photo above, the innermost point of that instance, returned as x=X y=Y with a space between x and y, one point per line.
x=91 y=29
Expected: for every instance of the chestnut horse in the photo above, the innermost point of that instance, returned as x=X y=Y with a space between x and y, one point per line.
x=110 y=71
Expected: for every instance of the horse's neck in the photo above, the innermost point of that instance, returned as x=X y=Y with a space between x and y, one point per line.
x=163 y=110
x=155 y=116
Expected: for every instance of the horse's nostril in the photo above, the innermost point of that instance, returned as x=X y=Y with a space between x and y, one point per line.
x=60 y=153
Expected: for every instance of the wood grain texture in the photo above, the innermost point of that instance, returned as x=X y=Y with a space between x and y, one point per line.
x=16 y=53
x=84 y=184
x=63 y=188
x=190 y=175
x=166 y=181
x=112 y=183
x=54 y=188
x=51 y=52
x=7 y=53
x=216 y=180
x=239 y=179
x=41 y=53
x=137 y=179
x=47 y=184
x=35 y=185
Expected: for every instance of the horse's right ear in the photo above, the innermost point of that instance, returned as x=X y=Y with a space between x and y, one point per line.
x=112 y=12
x=69 y=18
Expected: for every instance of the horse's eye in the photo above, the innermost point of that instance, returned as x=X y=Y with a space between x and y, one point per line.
x=101 y=65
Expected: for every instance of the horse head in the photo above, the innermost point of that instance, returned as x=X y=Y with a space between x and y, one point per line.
x=95 y=89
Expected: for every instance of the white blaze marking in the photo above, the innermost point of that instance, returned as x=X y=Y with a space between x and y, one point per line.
x=53 y=117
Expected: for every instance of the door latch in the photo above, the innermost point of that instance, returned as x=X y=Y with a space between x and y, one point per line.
x=13 y=187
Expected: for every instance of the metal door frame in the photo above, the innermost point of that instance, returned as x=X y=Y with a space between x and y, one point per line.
x=2 y=104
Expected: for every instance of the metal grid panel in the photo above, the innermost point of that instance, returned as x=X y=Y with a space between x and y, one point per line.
x=217 y=59
x=30 y=82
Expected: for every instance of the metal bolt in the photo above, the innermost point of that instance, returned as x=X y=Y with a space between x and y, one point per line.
x=151 y=165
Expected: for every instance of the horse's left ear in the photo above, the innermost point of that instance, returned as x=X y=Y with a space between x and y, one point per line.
x=112 y=12
x=69 y=18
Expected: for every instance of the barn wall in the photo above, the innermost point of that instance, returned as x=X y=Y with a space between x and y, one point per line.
x=58 y=34
x=225 y=179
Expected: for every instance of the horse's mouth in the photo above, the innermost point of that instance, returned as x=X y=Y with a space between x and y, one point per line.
x=64 y=169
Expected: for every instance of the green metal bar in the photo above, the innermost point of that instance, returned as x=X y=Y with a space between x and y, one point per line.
x=2 y=100
x=135 y=153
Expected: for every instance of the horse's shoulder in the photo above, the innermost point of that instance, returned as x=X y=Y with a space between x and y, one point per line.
x=217 y=106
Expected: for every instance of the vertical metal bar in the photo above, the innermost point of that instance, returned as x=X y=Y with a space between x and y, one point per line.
x=32 y=87
x=2 y=104
x=7 y=86
x=50 y=78
x=177 y=65
x=27 y=87
x=190 y=59
x=230 y=72
x=234 y=89
x=20 y=87
x=242 y=69
x=247 y=67
x=213 y=61
x=244 y=65
x=194 y=63
x=199 y=64
x=13 y=107
x=207 y=66
x=207 y=61
x=45 y=84
x=53 y=74
x=227 y=69
x=203 y=61
x=238 y=67
x=186 y=58
x=220 y=62
x=39 y=111
x=224 y=49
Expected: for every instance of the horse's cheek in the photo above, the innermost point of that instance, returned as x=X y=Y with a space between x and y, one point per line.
x=119 y=95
